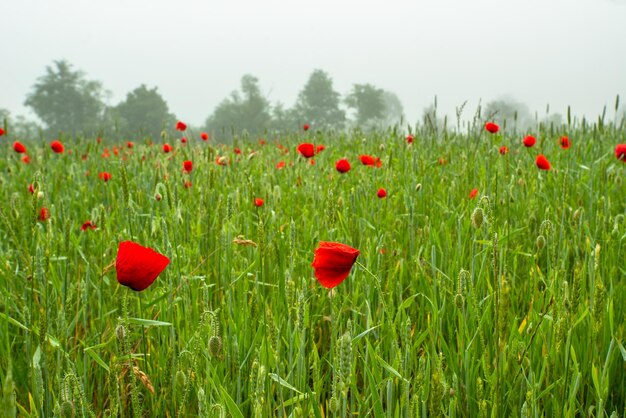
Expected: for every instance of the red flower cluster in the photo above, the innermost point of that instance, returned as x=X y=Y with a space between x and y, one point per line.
x=44 y=214
x=88 y=225
x=2 y=132
x=137 y=267
x=181 y=126
x=306 y=127
x=19 y=147
x=491 y=127
x=104 y=176
x=306 y=149
x=343 y=166
x=542 y=162
x=187 y=166
x=57 y=146
x=280 y=165
x=204 y=136
x=504 y=150
x=564 y=142
x=333 y=262
x=409 y=139
x=473 y=193
x=370 y=161
x=167 y=148
x=530 y=141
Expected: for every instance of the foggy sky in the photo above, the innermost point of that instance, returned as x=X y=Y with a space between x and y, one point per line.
x=195 y=51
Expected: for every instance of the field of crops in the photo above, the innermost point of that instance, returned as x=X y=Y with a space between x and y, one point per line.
x=489 y=281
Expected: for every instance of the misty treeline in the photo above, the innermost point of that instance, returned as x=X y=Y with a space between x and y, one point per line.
x=66 y=101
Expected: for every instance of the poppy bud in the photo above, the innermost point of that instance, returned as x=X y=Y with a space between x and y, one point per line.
x=215 y=346
x=477 y=218
x=541 y=242
x=158 y=197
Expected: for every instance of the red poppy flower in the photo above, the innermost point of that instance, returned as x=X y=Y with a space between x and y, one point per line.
x=306 y=150
x=473 y=193
x=367 y=160
x=99 y=140
x=409 y=139
x=137 y=267
x=129 y=144
x=88 y=225
x=31 y=188
x=504 y=150
x=57 y=146
x=25 y=159
x=183 y=140
x=44 y=214
x=343 y=166
x=306 y=126
x=204 y=136
x=319 y=148
x=261 y=142
x=187 y=184
x=2 y=132
x=442 y=161
x=167 y=148
x=620 y=152
x=181 y=126
x=258 y=202
x=381 y=193
x=19 y=147
x=542 y=162
x=530 y=141
x=333 y=262
x=281 y=164
x=491 y=127
x=187 y=166
x=564 y=142
x=237 y=151
x=104 y=176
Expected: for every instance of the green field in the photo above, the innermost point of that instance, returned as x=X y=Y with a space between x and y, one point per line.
x=511 y=303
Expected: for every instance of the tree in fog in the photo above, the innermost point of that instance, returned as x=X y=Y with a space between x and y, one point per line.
x=19 y=126
x=284 y=120
x=368 y=104
x=66 y=101
x=144 y=112
x=507 y=112
x=318 y=103
x=374 y=107
x=247 y=110
x=394 y=111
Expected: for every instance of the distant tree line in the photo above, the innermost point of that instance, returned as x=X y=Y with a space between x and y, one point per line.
x=66 y=101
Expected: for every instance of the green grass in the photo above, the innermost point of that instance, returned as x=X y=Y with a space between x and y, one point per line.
x=437 y=318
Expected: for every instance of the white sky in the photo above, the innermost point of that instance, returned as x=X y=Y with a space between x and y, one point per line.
x=537 y=51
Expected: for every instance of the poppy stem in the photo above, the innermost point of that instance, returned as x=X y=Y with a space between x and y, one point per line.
x=378 y=286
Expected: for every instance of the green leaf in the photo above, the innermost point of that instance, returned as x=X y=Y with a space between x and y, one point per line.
x=148 y=322
x=364 y=333
x=376 y=402
x=230 y=404
x=97 y=359
x=283 y=382
x=621 y=349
